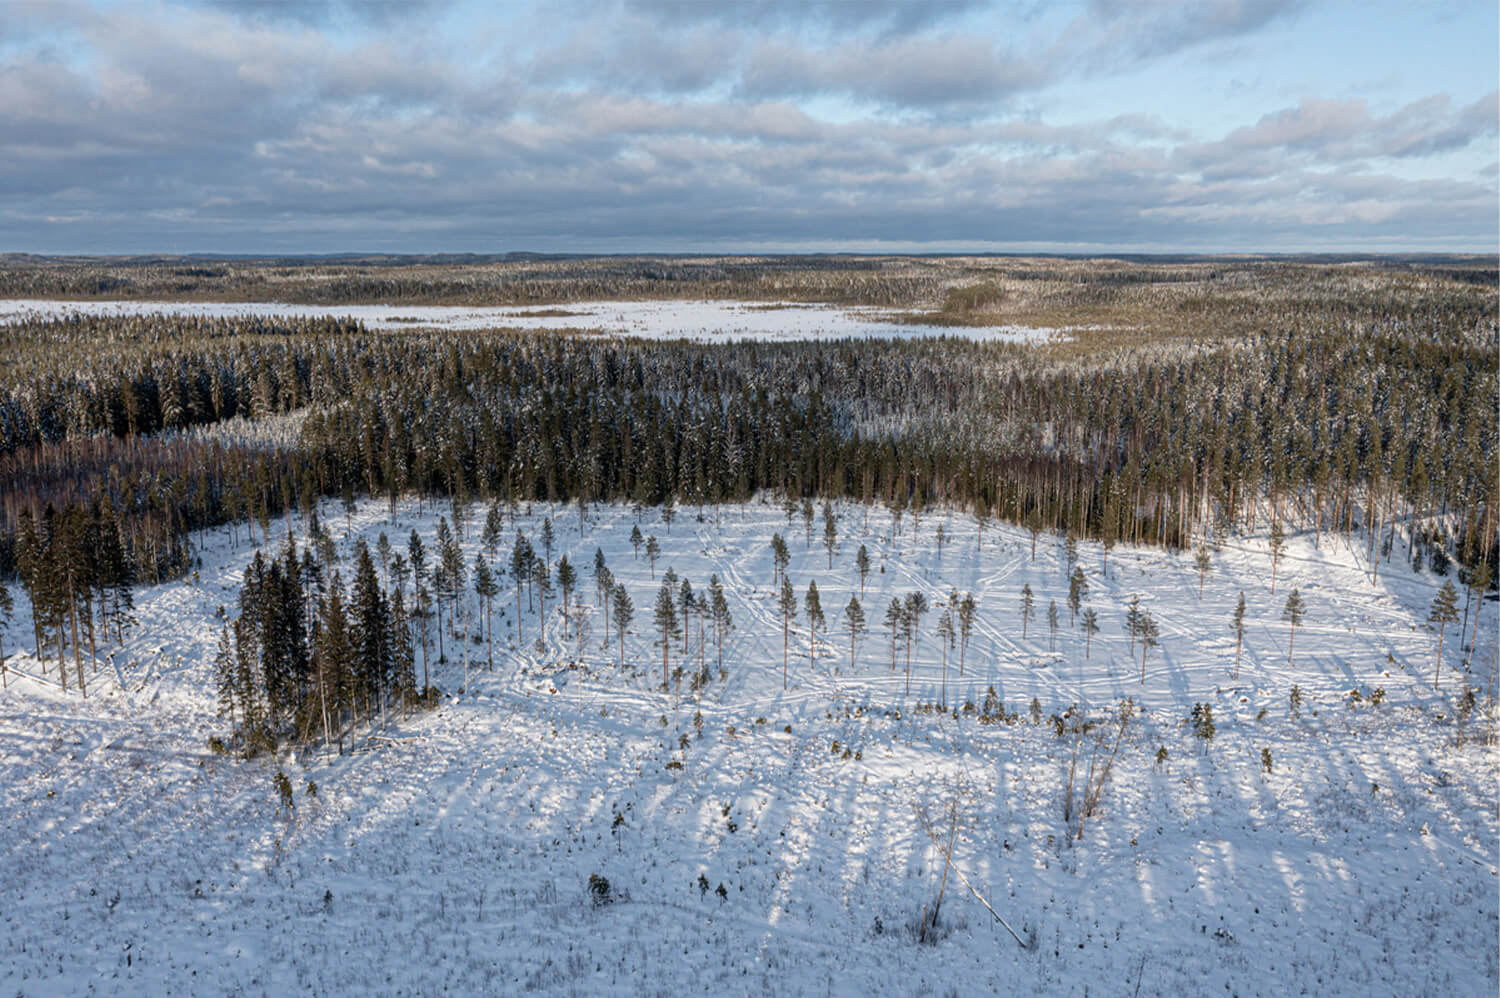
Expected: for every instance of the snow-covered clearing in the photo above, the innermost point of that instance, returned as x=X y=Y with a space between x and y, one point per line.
x=453 y=851
x=705 y=321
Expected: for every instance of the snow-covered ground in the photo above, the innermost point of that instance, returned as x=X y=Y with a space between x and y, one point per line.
x=453 y=851
x=708 y=321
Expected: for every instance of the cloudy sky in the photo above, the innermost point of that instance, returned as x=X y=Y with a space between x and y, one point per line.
x=314 y=126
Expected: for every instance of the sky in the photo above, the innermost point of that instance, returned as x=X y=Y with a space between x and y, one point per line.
x=423 y=126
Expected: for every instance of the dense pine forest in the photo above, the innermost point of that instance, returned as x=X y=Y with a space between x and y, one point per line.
x=1190 y=402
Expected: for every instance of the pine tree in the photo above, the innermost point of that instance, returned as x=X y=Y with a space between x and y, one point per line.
x=1052 y=621
x=1133 y=618
x=452 y=558
x=417 y=555
x=723 y=620
x=636 y=540
x=334 y=652
x=486 y=588
x=224 y=669
x=7 y=607
x=1237 y=624
x=916 y=605
x=813 y=607
x=830 y=533
x=945 y=634
x=601 y=576
x=541 y=580
x=854 y=619
x=787 y=603
x=895 y=621
x=520 y=570
x=371 y=634
x=1078 y=591
x=1149 y=634
x=567 y=578
x=1205 y=566
x=549 y=537
x=1090 y=628
x=807 y=519
x=780 y=558
x=666 y=625
x=686 y=602
x=653 y=552
x=624 y=611
x=1278 y=543
x=1293 y=613
x=494 y=529
x=862 y=562
x=403 y=657
x=967 y=612
x=1444 y=612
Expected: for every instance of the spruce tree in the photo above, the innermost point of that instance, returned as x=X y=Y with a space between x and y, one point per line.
x=1028 y=602
x=1444 y=611
x=862 y=562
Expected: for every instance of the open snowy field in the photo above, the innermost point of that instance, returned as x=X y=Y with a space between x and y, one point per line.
x=770 y=841
x=704 y=321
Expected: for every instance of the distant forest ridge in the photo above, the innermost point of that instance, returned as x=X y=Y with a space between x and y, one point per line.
x=899 y=282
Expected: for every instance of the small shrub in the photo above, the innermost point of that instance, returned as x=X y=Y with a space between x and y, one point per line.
x=284 y=792
x=600 y=893
x=1202 y=719
x=1265 y=760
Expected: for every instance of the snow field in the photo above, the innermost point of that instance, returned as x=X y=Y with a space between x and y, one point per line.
x=703 y=321
x=453 y=850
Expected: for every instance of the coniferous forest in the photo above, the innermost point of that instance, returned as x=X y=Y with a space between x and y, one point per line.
x=1208 y=548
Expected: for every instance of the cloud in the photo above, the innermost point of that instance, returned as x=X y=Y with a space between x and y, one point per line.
x=1342 y=132
x=882 y=17
x=132 y=127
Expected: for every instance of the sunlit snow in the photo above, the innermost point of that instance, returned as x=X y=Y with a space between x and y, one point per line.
x=697 y=320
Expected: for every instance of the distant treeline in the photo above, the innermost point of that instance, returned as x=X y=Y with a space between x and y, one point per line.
x=1363 y=413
